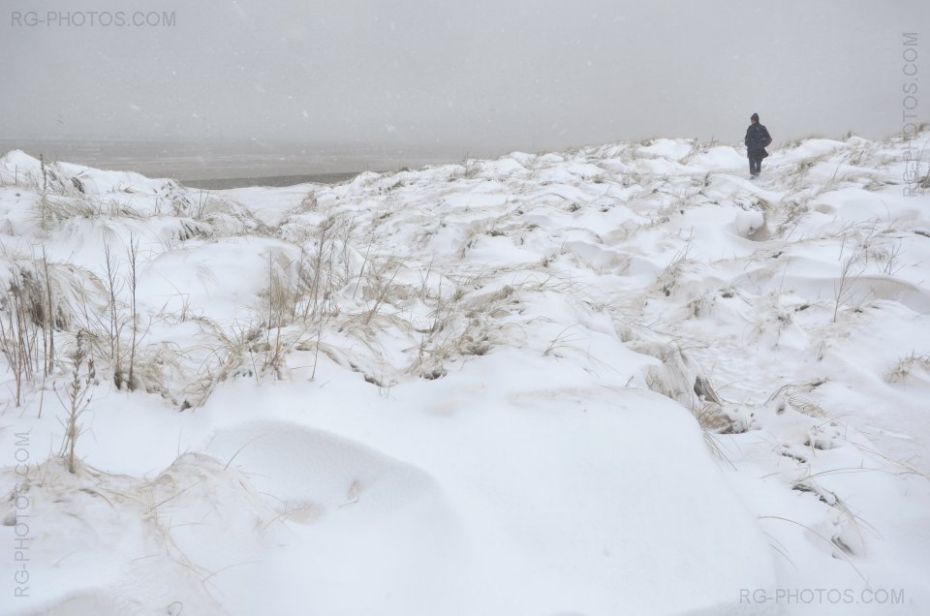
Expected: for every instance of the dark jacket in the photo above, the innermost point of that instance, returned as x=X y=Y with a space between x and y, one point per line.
x=757 y=139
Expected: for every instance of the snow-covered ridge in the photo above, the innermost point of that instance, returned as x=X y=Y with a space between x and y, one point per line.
x=623 y=377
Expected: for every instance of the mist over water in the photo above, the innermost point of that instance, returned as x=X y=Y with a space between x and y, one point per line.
x=279 y=163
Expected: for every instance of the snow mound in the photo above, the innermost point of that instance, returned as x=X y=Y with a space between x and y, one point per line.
x=320 y=470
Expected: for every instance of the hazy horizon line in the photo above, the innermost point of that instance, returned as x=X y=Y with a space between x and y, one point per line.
x=428 y=146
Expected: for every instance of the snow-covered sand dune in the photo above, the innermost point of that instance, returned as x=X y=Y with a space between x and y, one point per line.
x=619 y=380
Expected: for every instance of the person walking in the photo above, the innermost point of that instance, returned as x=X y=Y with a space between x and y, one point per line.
x=757 y=139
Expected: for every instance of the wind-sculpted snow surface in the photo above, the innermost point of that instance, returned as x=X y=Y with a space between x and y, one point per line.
x=619 y=380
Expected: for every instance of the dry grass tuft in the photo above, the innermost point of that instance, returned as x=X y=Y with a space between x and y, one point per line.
x=906 y=366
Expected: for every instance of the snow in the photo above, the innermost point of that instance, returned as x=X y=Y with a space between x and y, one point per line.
x=669 y=148
x=748 y=223
x=619 y=379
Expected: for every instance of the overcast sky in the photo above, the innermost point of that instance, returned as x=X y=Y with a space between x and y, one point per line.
x=507 y=74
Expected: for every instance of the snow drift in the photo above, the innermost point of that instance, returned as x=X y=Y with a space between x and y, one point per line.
x=620 y=379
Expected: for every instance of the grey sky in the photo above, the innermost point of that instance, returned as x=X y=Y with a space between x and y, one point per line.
x=506 y=74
